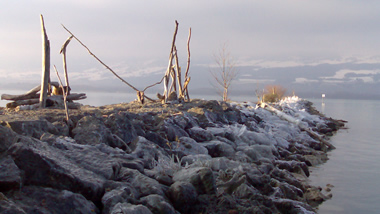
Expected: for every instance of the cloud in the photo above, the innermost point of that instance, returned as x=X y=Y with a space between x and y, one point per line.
x=302 y=80
x=352 y=75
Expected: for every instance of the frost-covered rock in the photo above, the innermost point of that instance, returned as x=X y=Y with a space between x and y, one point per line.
x=201 y=178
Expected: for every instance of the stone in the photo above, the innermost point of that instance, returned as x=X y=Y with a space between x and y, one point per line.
x=259 y=152
x=172 y=131
x=62 y=128
x=120 y=125
x=9 y=207
x=124 y=193
x=146 y=151
x=219 y=149
x=196 y=158
x=91 y=130
x=201 y=178
x=143 y=184
x=157 y=139
x=188 y=146
x=31 y=128
x=183 y=196
x=199 y=134
x=7 y=138
x=34 y=199
x=294 y=166
x=10 y=174
x=121 y=208
x=157 y=204
x=79 y=168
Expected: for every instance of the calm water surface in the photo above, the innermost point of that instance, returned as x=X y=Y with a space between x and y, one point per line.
x=353 y=167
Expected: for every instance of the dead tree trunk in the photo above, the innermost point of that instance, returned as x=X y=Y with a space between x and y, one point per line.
x=63 y=52
x=169 y=70
x=45 y=65
x=187 y=78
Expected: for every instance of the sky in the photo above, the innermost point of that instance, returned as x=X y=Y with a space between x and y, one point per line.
x=309 y=47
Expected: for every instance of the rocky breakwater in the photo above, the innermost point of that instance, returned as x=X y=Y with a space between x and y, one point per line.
x=196 y=157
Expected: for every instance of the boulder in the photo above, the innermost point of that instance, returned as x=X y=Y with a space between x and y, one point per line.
x=120 y=125
x=124 y=193
x=199 y=134
x=143 y=184
x=183 y=196
x=259 y=152
x=201 y=178
x=31 y=128
x=146 y=151
x=219 y=149
x=10 y=174
x=121 y=208
x=63 y=165
x=188 y=146
x=90 y=130
x=34 y=199
x=9 y=207
x=7 y=138
x=196 y=158
x=173 y=131
x=157 y=204
x=294 y=166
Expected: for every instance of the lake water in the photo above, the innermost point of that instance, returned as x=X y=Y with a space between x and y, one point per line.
x=353 y=167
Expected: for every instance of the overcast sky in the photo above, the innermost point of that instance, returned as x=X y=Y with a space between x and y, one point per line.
x=134 y=37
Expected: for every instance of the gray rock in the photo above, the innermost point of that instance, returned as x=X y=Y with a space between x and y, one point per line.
x=10 y=174
x=199 y=134
x=31 y=128
x=121 y=126
x=294 y=166
x=219 y=149
x=64 y=165
x=123 y=208
x=143 y=184
x=173 y=131
x=188 y=146
x=260 y=152
x=124 y=193
x=157 y=204
x=183 y=196
x=291 y=206
x=34 y=199
x=9 y=207
x=146 y=151
x=62 y=128
x=200 y=158
x=201 y=178
x=7 y=138
x=90 y=130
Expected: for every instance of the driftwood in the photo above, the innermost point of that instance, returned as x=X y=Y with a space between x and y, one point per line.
x=187 y=78
x=63 y=52
x=28 y=95
x=170 y=65
x=45 y=65
x=106 y=66
x=51 y=99
x=180 y=95
x=301 y=125
x=64 y=94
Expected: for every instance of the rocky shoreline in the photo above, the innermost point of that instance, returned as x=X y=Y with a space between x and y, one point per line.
x=195 y=157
